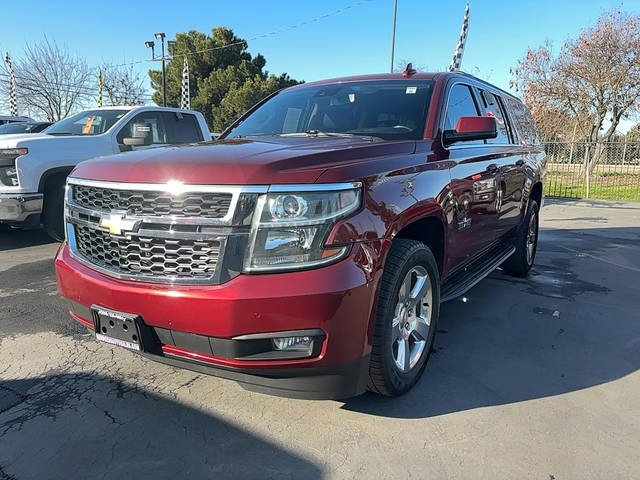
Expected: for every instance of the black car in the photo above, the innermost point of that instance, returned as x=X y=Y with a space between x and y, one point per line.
x=23 y=127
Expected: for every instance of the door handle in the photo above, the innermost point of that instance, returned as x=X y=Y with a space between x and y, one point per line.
x=492 y=167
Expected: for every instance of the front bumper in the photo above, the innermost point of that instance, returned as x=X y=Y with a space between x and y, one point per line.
x=192 y=322
x=18 y=207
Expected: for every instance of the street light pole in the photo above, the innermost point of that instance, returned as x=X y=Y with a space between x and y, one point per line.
x=393 y=37
x=151 y=45
x=160 y=36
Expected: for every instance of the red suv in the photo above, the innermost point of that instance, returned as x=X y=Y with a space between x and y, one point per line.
x=306 y=252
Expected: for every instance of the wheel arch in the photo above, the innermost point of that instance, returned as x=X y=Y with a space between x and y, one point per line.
x=53 y=173
x=429 y=230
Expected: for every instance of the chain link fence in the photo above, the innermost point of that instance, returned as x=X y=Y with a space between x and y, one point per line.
x=602 y=170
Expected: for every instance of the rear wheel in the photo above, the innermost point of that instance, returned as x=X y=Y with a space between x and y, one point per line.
x=526 y=244
x=407 y=314
x=53 y=212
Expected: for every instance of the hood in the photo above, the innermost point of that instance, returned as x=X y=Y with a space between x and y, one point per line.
x=240 y=161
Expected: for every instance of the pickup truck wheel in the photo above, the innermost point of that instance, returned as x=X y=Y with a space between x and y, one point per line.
x=526 y=244
x=406 y=318
x=53 y=211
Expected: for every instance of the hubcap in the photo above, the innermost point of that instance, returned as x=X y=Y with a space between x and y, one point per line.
x=532 y=235
x=412 y=319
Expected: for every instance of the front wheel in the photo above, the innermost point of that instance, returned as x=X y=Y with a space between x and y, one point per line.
x=406 y=318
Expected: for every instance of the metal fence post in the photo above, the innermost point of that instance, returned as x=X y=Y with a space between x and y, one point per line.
x=586 y=166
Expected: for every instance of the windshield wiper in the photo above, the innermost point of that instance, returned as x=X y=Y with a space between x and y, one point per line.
x=320 y=133
x=59 y=133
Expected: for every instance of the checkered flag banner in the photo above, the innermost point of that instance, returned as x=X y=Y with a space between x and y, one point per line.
x=186 y=98
x=13 y=99
x=99 y=89
x=456 y=62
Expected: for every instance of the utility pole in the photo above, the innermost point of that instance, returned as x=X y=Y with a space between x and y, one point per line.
x=393 y=36
x=160 y=36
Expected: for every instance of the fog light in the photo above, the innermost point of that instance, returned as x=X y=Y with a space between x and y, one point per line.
x=293 y=344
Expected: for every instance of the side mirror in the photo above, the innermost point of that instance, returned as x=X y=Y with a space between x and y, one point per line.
x=142 y=135
x=471 y=128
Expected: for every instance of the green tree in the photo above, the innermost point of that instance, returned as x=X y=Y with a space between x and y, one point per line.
x=633 y=135
x=225 y=79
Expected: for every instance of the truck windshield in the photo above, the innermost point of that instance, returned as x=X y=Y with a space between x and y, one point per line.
x=389 y=109
x=91 y=122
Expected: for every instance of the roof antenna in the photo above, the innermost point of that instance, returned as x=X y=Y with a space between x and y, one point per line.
x=456 y=62
x=409 y=70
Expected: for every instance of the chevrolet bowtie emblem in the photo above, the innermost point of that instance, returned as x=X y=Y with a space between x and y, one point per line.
x=117 y=223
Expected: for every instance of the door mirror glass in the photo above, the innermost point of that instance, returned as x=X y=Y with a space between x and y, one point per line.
x=471 y=128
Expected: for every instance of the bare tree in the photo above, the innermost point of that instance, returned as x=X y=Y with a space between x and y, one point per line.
x=51 y=81
x=122 y=85
x=590 y=85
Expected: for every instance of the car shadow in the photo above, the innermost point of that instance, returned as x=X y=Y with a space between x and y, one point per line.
x=572 y=324
x=83 y=425
x=12 y=238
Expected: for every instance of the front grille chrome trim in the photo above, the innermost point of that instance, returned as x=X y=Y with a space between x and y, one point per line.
x=170 y=187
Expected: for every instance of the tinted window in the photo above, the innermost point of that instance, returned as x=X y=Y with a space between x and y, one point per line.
x=14 y=128
x=460 y=104
x=493 y=109
x=523 y=119
x=393 y=110
x=181 y=128
x=154 y=119
x=91 y=122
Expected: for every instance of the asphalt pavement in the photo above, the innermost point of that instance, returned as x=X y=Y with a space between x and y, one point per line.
x=530 y=378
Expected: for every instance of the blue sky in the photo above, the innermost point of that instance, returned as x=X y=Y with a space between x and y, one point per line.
x=353 y=42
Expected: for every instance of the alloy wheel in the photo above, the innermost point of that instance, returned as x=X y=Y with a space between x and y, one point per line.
x=412 y=319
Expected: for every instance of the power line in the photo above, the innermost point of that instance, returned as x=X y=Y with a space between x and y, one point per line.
x=85 y=89
x=262 y=35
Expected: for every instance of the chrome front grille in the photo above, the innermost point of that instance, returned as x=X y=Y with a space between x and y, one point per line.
x=167 y=233
x=146 y=202
x=148 y=256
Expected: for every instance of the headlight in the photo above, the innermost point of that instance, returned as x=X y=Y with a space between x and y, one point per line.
x=8 y=172
x=12 y=153
x=289 y=228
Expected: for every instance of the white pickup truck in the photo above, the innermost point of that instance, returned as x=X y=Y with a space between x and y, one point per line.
x=34 y=167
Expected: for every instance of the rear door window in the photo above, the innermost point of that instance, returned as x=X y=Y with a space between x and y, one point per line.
x=493 y=109
x=181 y=128
x=460 y=104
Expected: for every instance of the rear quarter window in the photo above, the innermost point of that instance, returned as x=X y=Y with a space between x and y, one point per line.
x=525 y=125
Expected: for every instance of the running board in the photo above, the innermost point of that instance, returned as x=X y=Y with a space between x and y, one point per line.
x=461 y=282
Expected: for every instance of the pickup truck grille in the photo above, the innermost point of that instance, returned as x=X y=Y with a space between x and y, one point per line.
x=141 y=202
x=156 y=233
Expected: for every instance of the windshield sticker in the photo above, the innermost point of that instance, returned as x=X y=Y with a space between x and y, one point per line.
x=411 y=90
x=87 y=126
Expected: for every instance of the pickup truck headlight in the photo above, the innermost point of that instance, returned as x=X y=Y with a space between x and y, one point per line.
x=8 y=172
x=289 y=228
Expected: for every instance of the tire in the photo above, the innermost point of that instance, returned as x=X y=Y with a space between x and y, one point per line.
x=53 y=212
x=390 y=372
x=526 y=244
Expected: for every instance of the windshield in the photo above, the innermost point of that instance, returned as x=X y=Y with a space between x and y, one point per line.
x=92 y=122
x=390 y=109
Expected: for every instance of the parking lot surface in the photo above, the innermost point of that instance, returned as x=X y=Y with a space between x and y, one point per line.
x=530 y=378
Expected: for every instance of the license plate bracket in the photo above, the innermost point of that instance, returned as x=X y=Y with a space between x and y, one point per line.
x=117 y=328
